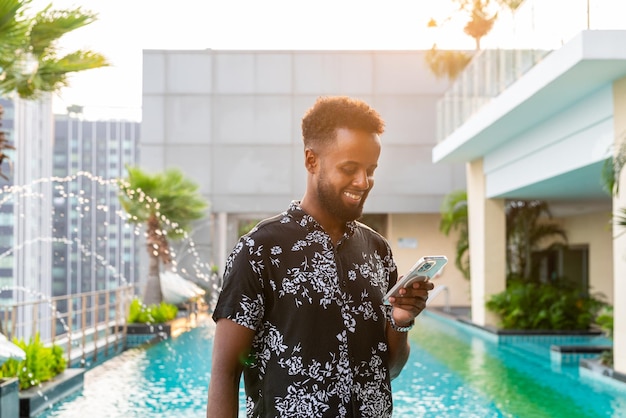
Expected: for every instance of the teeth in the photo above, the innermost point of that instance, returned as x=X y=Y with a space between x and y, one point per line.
x=353 y=195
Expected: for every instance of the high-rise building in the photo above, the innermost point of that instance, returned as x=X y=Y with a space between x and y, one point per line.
x=94 y=247
x=6 y=203
x=62 y=230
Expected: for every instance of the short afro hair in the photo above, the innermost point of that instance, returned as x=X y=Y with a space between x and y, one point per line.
x=320 y=123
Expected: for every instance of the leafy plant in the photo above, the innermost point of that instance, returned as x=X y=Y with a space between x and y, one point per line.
x=30 y=60
x=528 y=225
x=166 y=203
x=447 y=63
x=605 y=321
x=40 y=365
x=544 y=306
x=151 y=314
x=454 y=217
x=479 y=16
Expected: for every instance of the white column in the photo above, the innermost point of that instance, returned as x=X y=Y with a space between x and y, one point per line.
x=487 y=240
x=619 y=243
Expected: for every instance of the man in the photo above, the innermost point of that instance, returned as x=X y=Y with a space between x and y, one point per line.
x=301 y=311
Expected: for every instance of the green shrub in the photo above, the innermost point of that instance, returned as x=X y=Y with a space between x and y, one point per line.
x=152 y=314
x=40 y=365
x=549 y=306
x=605 y=321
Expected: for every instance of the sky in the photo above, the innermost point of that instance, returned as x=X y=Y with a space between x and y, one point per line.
x=126 y=27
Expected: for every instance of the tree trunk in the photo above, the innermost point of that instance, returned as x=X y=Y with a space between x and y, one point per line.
x=157 y=251
x=152 y=293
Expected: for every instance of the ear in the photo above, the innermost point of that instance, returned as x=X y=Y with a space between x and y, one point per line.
x=311 y=160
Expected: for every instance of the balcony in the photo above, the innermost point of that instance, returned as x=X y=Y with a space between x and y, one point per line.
x=490 y=72
x=517 y=43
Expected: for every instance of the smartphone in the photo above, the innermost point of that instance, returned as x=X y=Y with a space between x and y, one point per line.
x=425 y=268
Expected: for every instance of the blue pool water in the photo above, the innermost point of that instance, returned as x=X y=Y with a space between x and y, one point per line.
x=453 y=371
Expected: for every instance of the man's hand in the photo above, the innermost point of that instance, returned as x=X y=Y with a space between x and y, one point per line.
x=410 y=302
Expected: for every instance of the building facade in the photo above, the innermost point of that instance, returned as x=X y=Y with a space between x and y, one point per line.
x=27 y=200
x=95 y=248
x=62 y=230
x=547 y=136
x=231 y=121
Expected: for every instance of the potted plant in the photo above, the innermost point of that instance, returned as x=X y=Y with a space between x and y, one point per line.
x=558 y=306
x=41 y=376
x=148 y=324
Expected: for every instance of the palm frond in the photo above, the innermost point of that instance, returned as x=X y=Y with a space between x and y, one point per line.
x=50 y=25
x=168 y=195
x=13 y=30
x=453 y=211
x=24 y=40
x=446 y=63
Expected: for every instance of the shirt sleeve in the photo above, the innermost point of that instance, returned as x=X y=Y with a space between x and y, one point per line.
x=391 y=266
x=242 y=299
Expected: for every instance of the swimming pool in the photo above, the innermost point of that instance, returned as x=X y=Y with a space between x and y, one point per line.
x=452 y=372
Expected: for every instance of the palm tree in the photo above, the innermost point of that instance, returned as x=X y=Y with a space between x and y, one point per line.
x=612 y=168
x=480 y=23
x=445 y=63
x=454 y=217
x=610 y=176
x=29 y=62
x=167 y=204
x=527 y=226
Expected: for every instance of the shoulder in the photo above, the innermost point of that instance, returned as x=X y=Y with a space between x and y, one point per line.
x=269 y=227
x=278 y=230
x=369 y=233
x=372 y=237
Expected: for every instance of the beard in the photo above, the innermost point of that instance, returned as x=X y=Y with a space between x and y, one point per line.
x=332 y=202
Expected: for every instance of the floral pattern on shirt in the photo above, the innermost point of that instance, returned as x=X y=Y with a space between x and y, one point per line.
x=319 y=348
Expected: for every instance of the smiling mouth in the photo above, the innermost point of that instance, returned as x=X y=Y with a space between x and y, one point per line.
x=354 y=196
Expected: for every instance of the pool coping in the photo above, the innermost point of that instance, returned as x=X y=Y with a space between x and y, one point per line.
x=596 y=367
x=34 y=400
x=510 y=332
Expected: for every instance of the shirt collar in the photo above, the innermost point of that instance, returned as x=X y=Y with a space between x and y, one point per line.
x=307 y=221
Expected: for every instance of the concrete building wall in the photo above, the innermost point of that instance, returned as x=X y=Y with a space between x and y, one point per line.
x=231 y=121
x=582 y=131
x=594 y=231
x=415 y=235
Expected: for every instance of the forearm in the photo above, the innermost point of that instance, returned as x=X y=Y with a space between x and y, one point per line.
x=223 y=395
x=399 y=350
x=231 y=344
x=407 y=305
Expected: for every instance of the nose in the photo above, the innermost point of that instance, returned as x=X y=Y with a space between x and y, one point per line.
x=362 y=180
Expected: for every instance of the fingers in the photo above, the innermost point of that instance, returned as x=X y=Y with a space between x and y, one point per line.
x=419 y=289
x=413 y=298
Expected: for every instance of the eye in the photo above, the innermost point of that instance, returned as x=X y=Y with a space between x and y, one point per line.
x=349 y=170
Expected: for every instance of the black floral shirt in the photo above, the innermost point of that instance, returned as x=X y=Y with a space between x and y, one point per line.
x=320 y=348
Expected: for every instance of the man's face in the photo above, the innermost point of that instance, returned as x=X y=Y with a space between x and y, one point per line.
x=347 y=173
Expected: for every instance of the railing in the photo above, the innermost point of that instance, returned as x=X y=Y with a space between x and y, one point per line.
x=82 y=324
x=490 y=72
x=436 y=291
x=517 y=43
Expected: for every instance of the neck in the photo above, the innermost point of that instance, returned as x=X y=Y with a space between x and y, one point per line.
x=333 y=227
